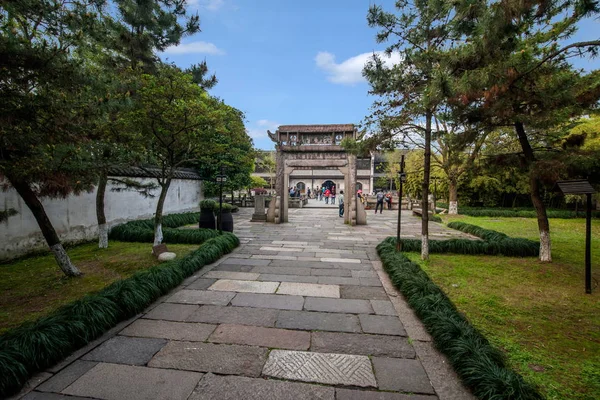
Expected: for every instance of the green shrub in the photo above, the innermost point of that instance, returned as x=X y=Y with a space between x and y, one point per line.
x=143 y=230
x=38 y=345
x=208 y=204
x=521 y=213
x=226 y=208
x=481 y=366
x=493 y=243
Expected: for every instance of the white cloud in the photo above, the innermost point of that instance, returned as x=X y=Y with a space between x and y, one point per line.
x=349 y=72
x=199 y=47
x=258 y=129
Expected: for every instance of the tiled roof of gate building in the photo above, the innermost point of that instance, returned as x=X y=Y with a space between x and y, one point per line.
x=317 y=128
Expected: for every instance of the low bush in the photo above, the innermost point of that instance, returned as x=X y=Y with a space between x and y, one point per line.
x=208 y=204
x=481 y=366
x=493 y=243
x=37 y=345
x=521 y=212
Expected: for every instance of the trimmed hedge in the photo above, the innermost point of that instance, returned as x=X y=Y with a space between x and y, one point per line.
x=481 y=366
x=493 y=243
x=143 y=230
x=521 y=213
x=37 y=345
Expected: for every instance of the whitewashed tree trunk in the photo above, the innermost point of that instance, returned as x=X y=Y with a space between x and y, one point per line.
x=103 y=236
x=424 y=247
x=453 y=208
x=545 y=247
x=63 y=260
x=158 y=235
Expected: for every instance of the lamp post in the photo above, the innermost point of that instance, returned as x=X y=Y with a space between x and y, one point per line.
x=402 y=177
x=221 y=179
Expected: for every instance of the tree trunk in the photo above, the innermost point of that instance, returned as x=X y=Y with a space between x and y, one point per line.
x=425 y=200
x=158 y=235
x=453 y=197
x=37 y=209
x=102 y=228
x=536 y=198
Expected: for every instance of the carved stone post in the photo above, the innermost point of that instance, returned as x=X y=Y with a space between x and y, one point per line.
x=259 y=209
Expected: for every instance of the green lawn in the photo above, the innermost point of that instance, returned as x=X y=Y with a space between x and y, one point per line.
x=32 y=287
x=537 y=312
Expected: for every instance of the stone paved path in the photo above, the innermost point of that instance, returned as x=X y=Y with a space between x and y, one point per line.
x=299 y=311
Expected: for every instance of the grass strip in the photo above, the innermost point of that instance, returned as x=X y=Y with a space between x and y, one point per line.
x=492 y=243
x=37 y=345
x=481 y=366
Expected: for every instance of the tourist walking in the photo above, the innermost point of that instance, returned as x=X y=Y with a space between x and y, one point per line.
x=341 y=203
x=380 y=197
x=388 y=200
x=333 y=194
x=327 y=194
x=308 y=193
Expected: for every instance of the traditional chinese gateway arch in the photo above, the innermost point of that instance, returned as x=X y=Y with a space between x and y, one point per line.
x=312 y=154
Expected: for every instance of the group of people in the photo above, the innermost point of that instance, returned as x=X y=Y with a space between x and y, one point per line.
x=380 y=196
x=327 y=193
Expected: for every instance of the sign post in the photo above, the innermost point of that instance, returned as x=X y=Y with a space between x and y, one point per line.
x=583 y=187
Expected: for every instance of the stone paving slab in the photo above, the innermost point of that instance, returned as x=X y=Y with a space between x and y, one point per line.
x=233 y=268
x=341 y=260
x=385 y=325
x=193 y=332
x=348 y=394
x=229 y=285
x=309 y=289
x=214 y=387
x=281 y=249
x=363 y=292
x=383 y=307
x=350 y=306
x=332 y=272
x=307 y=320
x=242 y=276
x=401 y=375
x=338 y=280
x=288 y=278
x=126 y=350
x=51 y=396
x=273 y=257
x=200 y=284
x=244 y=261
x=335 y=369
x=368 y=345
x=201 y=297
x=208 y=357
x=259 y=336
x=117 y=382
x=67 y=376
x=235 y=315
x=171 y=312
x=276 y=301
x=282 y=270
x=370 y=282
x=364 y=274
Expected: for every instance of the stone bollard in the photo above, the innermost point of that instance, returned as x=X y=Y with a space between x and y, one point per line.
x=259 y=209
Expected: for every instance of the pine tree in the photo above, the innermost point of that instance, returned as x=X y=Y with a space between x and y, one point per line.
x=412 y=90
x=513 y=70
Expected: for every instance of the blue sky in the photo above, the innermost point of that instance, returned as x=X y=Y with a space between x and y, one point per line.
x=292 y=62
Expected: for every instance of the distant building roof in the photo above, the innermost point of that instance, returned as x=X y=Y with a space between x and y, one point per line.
x=152 y=172
x=317 y=128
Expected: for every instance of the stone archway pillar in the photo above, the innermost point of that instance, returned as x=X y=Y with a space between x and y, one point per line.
x=280 y=182
x=350 y=184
